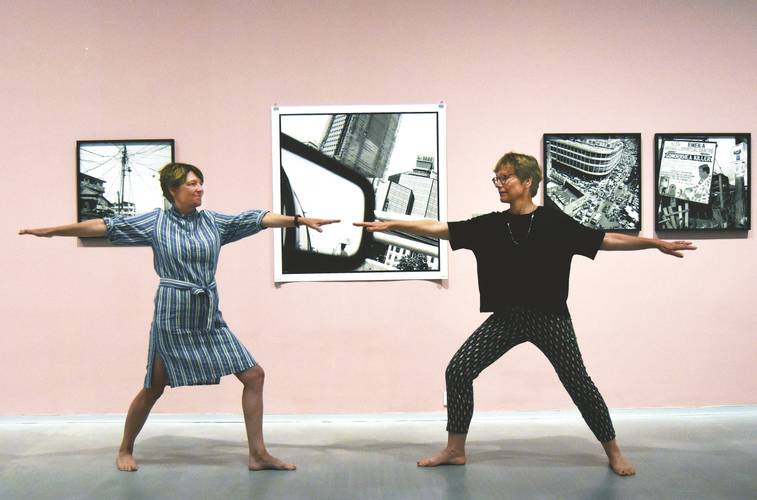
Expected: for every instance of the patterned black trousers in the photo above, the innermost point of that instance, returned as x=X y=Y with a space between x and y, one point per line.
x=553 y=334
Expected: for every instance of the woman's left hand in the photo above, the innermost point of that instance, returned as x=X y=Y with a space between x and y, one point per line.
x=674 y=247
x=316 y=223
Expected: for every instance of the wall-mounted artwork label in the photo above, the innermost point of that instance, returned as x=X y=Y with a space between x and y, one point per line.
x=595 y=179
x=120 y=177
x=702 y=182
x=356 y=163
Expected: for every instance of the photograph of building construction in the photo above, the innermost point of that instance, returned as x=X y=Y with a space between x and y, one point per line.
x=702 y=182
x=398 y=153
x=120 y=177
x=595 y=178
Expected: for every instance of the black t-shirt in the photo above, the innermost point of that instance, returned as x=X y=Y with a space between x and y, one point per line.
x=535 y=271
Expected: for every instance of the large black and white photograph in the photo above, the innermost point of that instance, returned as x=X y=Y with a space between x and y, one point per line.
x=595 y=179
x=702 y=182
x=356 y=163
x=120 y=177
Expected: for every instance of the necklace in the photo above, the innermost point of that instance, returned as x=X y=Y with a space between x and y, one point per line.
x=528 y=233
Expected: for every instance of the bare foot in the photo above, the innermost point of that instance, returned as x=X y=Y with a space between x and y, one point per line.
x=444 y=457
x=269 y=462
x=618 y=463
x=125 y=462
x=621 y=466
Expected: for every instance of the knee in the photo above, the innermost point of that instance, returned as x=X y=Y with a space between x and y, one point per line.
x=154 y=393
x=449 y=373
x=582 y=388
x=253 y=377
x=454 y=374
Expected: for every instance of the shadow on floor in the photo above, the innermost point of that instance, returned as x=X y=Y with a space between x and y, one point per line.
x=530 y=452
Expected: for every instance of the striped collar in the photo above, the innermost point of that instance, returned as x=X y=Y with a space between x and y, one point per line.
x=190 y=216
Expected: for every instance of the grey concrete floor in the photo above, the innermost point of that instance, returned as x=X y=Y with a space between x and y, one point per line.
x=689 y=454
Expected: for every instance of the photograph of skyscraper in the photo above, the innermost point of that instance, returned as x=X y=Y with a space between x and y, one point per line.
x=595 y=179
x=398 y=154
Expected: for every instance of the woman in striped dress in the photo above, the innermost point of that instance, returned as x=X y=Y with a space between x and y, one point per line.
x=190 y=343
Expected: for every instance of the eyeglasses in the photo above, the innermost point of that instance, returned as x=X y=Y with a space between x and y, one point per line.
x=500 y=181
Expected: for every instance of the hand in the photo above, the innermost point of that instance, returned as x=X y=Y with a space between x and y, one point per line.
x=316 y=223
x=40 y=232
x=373 y=227
x=674 y=247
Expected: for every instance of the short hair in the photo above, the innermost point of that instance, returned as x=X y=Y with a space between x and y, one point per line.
x=704 y=168
x=525 y=167
x=173 y=175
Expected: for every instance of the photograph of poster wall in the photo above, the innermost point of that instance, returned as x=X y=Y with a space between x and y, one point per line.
x=595 y=179
x=702 y=182
x=356 y=163
x=120 y=177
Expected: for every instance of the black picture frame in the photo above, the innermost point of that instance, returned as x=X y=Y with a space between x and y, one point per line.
x=690 y=167
x=595 y=178
x=120 y=177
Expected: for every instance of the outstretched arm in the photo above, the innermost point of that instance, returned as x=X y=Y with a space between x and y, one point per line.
x=277 y=220
x=617 y=241
x=432 y=228
x=88 y=229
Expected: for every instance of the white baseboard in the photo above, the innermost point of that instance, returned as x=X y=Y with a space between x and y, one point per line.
x=482 y=416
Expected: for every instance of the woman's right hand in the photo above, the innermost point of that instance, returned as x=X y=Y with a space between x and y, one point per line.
x=42 y=232
x=424 y=227
x=92 y=228
x=374 y=226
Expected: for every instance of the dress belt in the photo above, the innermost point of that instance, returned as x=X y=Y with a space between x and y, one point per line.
x=196 y=290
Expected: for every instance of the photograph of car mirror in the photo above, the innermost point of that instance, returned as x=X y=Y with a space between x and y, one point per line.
x=316 y=185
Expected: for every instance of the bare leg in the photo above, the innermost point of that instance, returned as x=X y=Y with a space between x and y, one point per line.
x=618 y=463
x=137 y=415
x=453 y=454
x=252 y=406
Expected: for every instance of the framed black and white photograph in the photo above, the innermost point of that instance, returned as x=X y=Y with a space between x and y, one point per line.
x=595 y=179
x=702 y=182
x=356 y=163
x=120 y=177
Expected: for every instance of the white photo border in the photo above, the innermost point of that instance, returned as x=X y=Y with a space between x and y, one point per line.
x=278 y=111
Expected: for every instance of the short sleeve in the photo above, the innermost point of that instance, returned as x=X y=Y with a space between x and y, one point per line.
x=466 y=234
x=579 y=239
x=235 y=227
x=132 y=230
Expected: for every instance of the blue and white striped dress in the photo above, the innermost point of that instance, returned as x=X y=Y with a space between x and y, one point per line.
x=188 y=331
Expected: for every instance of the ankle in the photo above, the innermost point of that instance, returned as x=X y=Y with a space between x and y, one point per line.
x=455 y=450
x=611 y=448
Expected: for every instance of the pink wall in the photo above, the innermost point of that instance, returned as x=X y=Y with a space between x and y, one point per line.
x=655 y=331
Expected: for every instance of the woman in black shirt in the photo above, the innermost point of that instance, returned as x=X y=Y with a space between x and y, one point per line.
x=530 y=246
